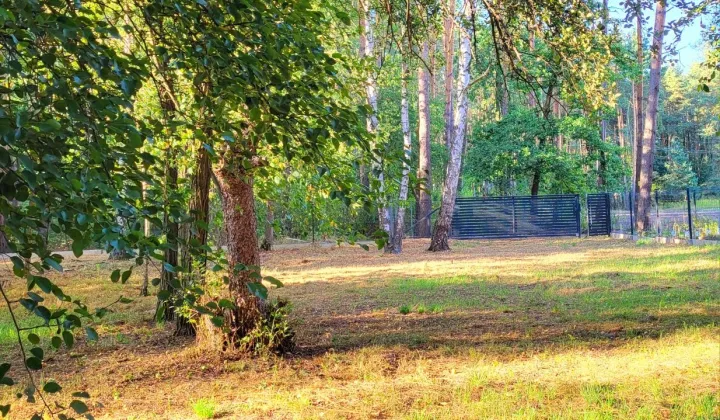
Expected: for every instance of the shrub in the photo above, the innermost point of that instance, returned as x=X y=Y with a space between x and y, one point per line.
x=405 y=309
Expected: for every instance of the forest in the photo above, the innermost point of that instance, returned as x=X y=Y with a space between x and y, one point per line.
x=187 y=138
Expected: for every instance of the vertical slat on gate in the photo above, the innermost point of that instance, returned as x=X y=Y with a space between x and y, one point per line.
x=577 y=214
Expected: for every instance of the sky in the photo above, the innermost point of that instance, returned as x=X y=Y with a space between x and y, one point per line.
x=689 y=48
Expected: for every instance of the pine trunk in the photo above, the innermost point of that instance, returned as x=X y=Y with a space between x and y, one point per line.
x=424 y=199
x=638 y=103
x=649 y=125
x=441 y=234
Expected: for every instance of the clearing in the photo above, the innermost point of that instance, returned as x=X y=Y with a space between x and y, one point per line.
x=546 y=328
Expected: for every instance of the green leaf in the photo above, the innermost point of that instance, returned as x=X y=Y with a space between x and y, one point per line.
x=79 y=406
x=43 y=283
x=37 y=352
x=4 y=368
x=92 y=335
x=33 y=338
x=258 y=289
x=56 y=342
x=51 y=387
x=4 y=409
x=227 y=304
x=78 y=248
x=49 y=125
x=68 y=338
x=125 y=276
x=218 y=321
x=33 y=363
x=273 y=280
x=52 y=263
x=115 y=275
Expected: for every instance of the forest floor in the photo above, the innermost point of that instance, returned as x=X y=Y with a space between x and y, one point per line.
x=540 y=328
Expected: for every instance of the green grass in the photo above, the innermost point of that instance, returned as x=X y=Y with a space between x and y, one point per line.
x=204 y=408
x=552 y=329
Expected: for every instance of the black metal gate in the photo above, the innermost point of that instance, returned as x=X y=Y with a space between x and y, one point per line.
x=598 y=214
x=516 y=217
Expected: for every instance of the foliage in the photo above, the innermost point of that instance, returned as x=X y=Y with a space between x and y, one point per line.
x=676 y=172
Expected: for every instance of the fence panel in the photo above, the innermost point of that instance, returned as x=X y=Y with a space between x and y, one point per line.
x=516 y=217
x=598 y=214
x=705 y=213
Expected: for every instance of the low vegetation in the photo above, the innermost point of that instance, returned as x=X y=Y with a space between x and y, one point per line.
x=563 y=328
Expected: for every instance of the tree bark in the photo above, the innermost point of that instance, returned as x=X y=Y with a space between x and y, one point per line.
x=407 y=148
x=441 y=234
x=146 y=233
x=4 y=246
x=638 y=103
x=649 y=125
x=424 y=199
x=448 y=44
x=238 y=206
x=372 y=120
x=166 y=311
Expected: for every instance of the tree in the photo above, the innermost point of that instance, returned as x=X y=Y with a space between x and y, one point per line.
x=441 y=231
x=649 y=125
x=424 y=198
x=677 y=173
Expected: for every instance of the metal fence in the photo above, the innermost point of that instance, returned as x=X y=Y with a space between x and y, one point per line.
x=693 y=213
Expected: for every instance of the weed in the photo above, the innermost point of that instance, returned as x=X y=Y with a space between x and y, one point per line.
x=204 y=408
x=405 y=309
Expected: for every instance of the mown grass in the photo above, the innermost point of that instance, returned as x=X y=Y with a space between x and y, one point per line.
x=561 y=328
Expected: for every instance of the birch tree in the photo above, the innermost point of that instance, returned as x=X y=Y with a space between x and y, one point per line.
x=424 y=199
x=441 y=233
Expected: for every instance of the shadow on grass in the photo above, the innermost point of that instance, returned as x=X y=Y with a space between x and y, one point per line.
x=506 y=315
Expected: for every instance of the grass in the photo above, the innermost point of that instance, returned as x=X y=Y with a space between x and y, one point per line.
x=204 y=408
x=554 y=328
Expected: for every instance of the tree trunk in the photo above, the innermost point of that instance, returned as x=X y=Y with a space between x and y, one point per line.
x=363 y=170
x=166 y=311
x=441 y=234
x=4 y=247
x=238 y=205
x=424 y=199
x=649 y=125
x=407 y=147
x=146 y=233
x=269 y=235
x=372 y=120
x=638 y=103
x=448 y=44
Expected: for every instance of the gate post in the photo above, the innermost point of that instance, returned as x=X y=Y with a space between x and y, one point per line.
x=607 y=213
x=632 y=218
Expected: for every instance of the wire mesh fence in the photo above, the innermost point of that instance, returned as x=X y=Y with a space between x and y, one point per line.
x=690 y=214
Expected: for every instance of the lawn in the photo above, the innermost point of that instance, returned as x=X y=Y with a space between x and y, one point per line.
x=551 y=328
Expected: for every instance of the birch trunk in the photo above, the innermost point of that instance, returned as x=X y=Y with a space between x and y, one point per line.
x=424 y=199
x=372 y=120
x=649 y=125
x=448 y=41
x=407 y=147
x=452 y=177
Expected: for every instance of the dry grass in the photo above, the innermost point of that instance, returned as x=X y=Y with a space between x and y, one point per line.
x=497 y=329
